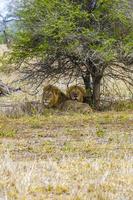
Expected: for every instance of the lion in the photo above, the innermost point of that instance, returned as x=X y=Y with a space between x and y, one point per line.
x=76 y=106
x=76 y=93
x=52 y=96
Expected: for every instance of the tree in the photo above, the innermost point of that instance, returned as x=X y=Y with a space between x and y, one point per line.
x=65 y=39
x=7 y=19
x=6 y=29
x=3 y=24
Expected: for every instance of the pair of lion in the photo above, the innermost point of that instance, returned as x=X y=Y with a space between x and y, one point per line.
x=53 y=96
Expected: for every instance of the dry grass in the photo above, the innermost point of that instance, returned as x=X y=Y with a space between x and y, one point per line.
x=69 y=156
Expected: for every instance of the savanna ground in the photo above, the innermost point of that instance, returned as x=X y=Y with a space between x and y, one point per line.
x=69 y=156
x=66 y=155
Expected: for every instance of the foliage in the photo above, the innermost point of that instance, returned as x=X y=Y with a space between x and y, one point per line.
x=48 y=23
x=1 y=39
x=66 y=40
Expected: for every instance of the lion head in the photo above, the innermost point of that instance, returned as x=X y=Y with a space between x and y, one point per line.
x=52 y=96
x=76 y=93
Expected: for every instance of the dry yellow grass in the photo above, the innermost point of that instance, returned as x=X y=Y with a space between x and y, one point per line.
x=67 y=156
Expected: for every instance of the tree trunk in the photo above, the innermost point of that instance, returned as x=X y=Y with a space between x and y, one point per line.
x=88 y=87
x=6 y=38
x=96 y=92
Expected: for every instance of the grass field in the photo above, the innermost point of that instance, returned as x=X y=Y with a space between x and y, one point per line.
x=67 y=156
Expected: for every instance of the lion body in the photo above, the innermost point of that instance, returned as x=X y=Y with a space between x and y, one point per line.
x=75 y=106
x=76 y=93
x=52 y=96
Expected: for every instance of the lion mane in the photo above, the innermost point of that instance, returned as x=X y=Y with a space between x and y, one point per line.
x=76 y=93
x=52 y=96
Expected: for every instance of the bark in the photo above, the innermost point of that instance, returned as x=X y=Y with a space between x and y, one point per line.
x=96 y=92
x=87 y=80
x=6 y=90
x=6 y=39
x=88 y=87
x=91 y=6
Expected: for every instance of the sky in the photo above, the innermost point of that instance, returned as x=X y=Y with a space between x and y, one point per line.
x=3 y=6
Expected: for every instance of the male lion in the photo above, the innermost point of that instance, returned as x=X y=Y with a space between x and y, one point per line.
x=76 y=93
x=52 y=96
